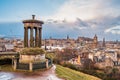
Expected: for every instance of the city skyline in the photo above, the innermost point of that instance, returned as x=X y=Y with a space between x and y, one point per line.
x=63 y=17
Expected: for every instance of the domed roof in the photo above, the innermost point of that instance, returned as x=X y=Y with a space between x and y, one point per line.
x=33 y=20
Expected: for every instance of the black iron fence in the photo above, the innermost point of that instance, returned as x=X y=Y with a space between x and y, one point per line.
x=23 y=66
x=35 y=66
x=40 y=65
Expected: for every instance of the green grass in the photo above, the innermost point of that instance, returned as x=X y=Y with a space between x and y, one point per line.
x=32 y=51
x=69 y=74
x=50 y=55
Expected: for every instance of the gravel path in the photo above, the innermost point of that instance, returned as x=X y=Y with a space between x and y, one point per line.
x=38 y=75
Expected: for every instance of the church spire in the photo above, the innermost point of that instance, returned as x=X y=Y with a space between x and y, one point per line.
x=68 y=37
x=103 y=45
x=95 y=41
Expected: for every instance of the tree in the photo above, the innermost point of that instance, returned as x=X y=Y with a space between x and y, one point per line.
x=65 y=55
x=114 y=71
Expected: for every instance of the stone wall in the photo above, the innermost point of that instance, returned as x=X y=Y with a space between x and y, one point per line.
x=32 y=66
x=31 y=58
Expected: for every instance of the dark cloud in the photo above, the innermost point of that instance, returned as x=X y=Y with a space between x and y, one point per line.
x=90 y=27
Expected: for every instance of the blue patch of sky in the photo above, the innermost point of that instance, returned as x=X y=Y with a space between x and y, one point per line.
x=14 y=9
x=113 y=4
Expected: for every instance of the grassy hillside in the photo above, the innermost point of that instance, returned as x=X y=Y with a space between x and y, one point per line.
x=69 y=74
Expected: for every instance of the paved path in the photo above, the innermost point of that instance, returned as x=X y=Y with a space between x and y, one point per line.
x=38 y=75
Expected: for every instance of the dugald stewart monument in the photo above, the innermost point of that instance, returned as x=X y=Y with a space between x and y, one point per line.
x=32 y=57
x=36 y=25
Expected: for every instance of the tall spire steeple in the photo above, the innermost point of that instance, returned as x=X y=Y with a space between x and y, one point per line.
x=103 y=44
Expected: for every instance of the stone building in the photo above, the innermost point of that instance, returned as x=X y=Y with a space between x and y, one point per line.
x=95 y=41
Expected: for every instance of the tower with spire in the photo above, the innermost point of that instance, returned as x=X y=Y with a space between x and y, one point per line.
x=68 y=37
x=103 y=43
x=95 y=41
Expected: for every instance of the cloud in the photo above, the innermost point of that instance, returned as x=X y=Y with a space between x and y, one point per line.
x=113 y=30
x=86 y=9
x=88 y=28
x=78 y=24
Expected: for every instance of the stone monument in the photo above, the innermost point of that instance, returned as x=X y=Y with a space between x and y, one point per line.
x=36 y=25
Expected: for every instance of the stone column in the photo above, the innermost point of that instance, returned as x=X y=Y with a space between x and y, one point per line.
x=30 y=67
x=15 y=64
x=47 y=63
x=12 y=62
x=40 y=37
x=24 y=36
x=31 y=37
x=37 y=37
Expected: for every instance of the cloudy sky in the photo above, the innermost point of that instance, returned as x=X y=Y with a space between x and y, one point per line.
x=66 y=17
